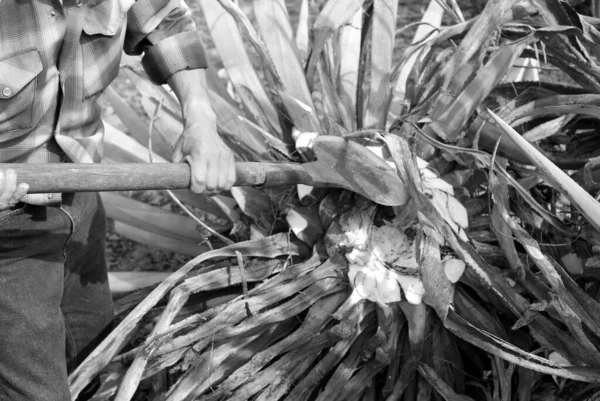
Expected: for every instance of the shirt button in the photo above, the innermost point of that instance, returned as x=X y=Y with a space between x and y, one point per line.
x=78 y=3
x=49 y=196
x=7 y=92
x=52 y=13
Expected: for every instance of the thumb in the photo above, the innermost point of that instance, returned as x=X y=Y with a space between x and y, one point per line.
x=177 y=156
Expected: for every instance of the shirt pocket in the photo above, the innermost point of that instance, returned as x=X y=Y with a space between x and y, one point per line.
x=102 y=43
x=18 y=81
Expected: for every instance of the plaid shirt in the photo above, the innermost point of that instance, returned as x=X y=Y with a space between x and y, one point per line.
x=58 y=56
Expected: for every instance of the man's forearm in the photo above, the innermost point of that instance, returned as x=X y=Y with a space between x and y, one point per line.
x=191 y=89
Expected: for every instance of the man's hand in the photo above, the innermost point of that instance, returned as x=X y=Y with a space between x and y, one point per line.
x=10 y=192
x=211 y=161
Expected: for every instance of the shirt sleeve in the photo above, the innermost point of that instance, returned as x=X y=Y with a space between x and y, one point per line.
x=164 y=31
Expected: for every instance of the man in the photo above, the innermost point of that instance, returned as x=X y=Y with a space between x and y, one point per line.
x=56 y=59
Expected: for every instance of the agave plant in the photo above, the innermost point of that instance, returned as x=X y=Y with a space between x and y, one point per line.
x=466 y=291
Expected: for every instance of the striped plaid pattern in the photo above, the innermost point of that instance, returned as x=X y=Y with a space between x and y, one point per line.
x=56 y=59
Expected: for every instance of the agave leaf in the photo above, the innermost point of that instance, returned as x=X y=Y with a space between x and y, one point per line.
x=131 y=281
x=548 y=128
x=247 y=144
x=586 y=203
x=564 y=303
x=332 y=102
x=302 y=33
x=453 y=118
x=566 y=56
x=489 y=343
x=432 y=19
x=244 y=23
x=382 y=47
x=349 y=55
x=150 y=218
x=588 y=105
x=204 y=203
x=121 y=148
x=495 y=14
x=477 y=314
x=254 y=112
x=303 y=115
x=439 y=291
x=255 y=204
x=503 y=233
x=526 y=69
x=274 y=26
x=217 y=364
x=136 y=126
x=166 y=243
x=440 y=385
x=305 y=223
x=228 y=41
x=335 y=14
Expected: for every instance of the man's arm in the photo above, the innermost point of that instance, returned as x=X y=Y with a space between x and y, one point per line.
x=164 y=31
x=210 y=160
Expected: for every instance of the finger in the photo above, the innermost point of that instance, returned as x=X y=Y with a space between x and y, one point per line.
x=223 y=173
x=230 y=174
x=10 y=185
x=198 y=174
x=212 y=176
x=19 y=193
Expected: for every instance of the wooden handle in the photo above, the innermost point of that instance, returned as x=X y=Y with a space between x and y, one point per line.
x=69 y=177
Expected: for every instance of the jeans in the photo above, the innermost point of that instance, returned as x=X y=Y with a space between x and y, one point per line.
x=54 y=294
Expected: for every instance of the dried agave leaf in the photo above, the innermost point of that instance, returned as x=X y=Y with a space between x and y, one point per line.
x=440 y=386
x=215 y=365
x=268 y=247
x=560 y=180
x=461 y=328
